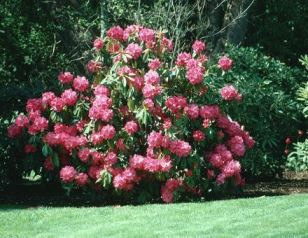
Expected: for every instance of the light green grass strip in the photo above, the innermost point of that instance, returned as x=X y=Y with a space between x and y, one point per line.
x=283 y=216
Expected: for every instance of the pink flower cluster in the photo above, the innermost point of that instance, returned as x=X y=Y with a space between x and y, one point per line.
x=169 y=188
x=65 y=136
x=149 y=164
x=131 y=127
x=68 y=174
x=138 y=122
x=195 y=69
x=100 y=109
x=176 y=103
x=198 y=46
x=126 y=179
x=225 y=63
x=106 y=133
x=230 y=93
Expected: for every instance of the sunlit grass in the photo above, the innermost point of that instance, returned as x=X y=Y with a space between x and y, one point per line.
x=281 y=216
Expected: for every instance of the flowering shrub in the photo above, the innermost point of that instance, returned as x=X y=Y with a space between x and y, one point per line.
x=139 y=124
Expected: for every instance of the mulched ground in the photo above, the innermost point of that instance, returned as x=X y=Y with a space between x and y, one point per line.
x=37 y=195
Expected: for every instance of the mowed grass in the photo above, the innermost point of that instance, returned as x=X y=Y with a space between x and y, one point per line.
x=281 y=216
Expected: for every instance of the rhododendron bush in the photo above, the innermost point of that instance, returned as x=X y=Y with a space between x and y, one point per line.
x=141 y=123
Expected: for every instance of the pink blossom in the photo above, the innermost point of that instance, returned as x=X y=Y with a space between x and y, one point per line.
x=47 y=97
x=111 y=158
x=94 y=172
x=57 y=104
x=22 y=121
x=152 y=77
x=125 y=180
x=69 y=97
x=202 y=59
x=168 y=189
x=34 y=104
x=131 y=127
x=147 y=35
x=167 y=123
x=97 y=112
x=237 y=146
x=176 y=103
x=94 y=66
x=97 y=158
x=192 y=111
x=221 y=179
x=125 y=70
x=192 y=63
x=84 y=154
x=198 y=46
x=80 y=84
x=154 y=64
x=198 y=135
x=206 y=123
x=229 y=93
x=210 y=112
x=67 y=174
x=137 y=162
x=216 y=160
x=148 y=103
x=101 y=90
x=182 y=59
x=61 y=128
x=151 y=91
x=120 y=144
x=65 y=77
x=80 y=125
x=180 y=148
x=40 y=124
x=134 y=50
x=195 y=75
x=137 y=82
x=225 y=63
x=116 y=33
x=249 y=141
x=232 y=168
x=98 y=43
x=81 y=179
x=108 y=132
x=166 y=43
x=154 y=139
x=130 y=31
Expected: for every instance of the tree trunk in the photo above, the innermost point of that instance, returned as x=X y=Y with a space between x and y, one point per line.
x=235 y=23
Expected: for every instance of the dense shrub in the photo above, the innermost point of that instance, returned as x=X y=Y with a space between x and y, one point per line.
x=138 y=125
x=270 y=110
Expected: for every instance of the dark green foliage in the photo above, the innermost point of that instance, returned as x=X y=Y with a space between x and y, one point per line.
x=269 y=109
x=280 y=26
x=37 y=40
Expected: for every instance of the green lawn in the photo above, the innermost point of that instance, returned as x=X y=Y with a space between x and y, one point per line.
x=283 y=216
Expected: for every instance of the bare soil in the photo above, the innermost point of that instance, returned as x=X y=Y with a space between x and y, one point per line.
x=292 y=182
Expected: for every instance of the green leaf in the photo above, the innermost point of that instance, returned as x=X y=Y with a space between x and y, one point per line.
x=46 y=150
x=55 y=160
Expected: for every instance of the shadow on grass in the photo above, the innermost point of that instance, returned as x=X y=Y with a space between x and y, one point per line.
x=31 y=196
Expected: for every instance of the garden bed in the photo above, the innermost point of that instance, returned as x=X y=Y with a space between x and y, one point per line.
x=35 y=194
